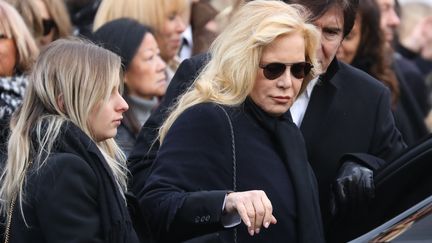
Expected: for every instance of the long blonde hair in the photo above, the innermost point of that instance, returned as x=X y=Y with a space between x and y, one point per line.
x=12 y=25
x=235 y=54
x=32 y=17
x=83 y=75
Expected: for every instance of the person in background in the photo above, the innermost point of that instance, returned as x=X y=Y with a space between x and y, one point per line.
x=415 y=37
x=144 y=73
x=415 y=44
x=201 y=30
x=48 y=20
x=199 y=180
x=65 y=177
x=366 y=49
x=163 y=16
x=412 y=86
x=18 y=50
x=82 y=14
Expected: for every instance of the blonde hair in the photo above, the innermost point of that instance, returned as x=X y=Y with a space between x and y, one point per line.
x=32 y=17
x=13 y=26
x=152 y=13
x=83 y=75
x=235 y=54
x=411 y=14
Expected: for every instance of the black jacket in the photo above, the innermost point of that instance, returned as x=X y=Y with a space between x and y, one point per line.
x=72 y=198
x=193 y=171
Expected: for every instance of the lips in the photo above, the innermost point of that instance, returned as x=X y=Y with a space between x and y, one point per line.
x=118 y=121
x=282 y=99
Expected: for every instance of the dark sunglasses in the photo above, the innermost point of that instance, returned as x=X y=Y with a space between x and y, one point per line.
x=275 y=69
x=48 y=25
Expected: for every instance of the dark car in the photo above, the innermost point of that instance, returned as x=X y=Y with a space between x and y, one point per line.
x=414 y=225
x=401 y=189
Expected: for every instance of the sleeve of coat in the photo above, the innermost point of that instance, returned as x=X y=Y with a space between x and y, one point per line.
x=387 y=143
x=184 y=194
x=146 y=146
x=66 y=204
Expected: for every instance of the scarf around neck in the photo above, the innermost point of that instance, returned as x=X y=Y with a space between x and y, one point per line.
x=115 y=219
x=292 y=148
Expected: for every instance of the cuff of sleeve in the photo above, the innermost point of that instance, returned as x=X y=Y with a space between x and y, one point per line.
x=229 y=220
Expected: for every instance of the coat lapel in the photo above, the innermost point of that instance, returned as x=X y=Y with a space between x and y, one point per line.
x=320 y=104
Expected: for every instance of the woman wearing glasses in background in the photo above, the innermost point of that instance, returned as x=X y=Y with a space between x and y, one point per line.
x=18 y=50
x=209 y=176
x=48 y=20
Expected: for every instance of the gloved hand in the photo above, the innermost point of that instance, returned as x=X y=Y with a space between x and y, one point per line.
x=353 y=189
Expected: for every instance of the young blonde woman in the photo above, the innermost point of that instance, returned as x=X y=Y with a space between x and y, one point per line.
x=65 y=178
x=230 y=152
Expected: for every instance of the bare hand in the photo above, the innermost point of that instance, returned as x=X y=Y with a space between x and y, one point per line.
x=254 y=208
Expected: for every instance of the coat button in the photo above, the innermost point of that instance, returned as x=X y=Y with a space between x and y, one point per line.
x=197 y=219
x=202 y=219
x=207 y=218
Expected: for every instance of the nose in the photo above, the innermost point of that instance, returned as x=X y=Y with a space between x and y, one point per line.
x=285 y=81
x=122 y=106
x=394 y=19
x=180 y=26
x=161 y=65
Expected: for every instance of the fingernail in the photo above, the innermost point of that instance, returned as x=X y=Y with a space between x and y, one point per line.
x=257 y=231
x=266 y=224
x=251 y=232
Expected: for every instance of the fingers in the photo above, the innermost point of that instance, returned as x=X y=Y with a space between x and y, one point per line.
x=268 y=216
x=242 y=211
x=251 y=215
x=254 y=208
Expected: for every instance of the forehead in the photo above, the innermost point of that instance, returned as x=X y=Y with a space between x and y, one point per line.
x=286 y=48
x=148 y=41
x=386 y=3
x=333 y=18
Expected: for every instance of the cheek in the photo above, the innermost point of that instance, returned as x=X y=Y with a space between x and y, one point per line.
x=7 y=57
x=297 y=84
x=259 y=91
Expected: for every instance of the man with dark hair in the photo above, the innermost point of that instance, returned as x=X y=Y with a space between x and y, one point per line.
x=344 y=115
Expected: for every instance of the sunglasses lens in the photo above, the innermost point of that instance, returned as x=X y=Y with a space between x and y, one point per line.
x=301 y=69
x=48 y=25
x=274 y=70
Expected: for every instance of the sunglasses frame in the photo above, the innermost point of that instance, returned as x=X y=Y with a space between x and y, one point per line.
x=306 y=67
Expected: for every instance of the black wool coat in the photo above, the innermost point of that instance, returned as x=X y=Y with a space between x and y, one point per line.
x=72 y=198
x=194 y=170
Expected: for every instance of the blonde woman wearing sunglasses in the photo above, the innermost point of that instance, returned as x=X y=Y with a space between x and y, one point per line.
x=229 y=149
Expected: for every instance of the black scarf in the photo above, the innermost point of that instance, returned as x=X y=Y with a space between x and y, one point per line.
x=115 y=220
x=292 y=149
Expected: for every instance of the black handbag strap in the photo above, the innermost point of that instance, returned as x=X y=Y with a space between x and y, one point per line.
x=234 y=159
x=234 y=165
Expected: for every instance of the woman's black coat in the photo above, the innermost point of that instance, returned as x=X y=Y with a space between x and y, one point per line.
x=72 y=198
x=193 y=171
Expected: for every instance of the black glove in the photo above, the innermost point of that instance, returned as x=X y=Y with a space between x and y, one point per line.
x=353 y=189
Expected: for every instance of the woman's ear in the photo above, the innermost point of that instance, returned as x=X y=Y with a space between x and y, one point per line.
x=60 y=102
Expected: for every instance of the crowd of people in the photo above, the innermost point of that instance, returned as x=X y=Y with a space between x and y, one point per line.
x=205 y=120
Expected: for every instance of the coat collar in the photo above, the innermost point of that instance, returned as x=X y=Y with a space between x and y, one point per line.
x=321 y=100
